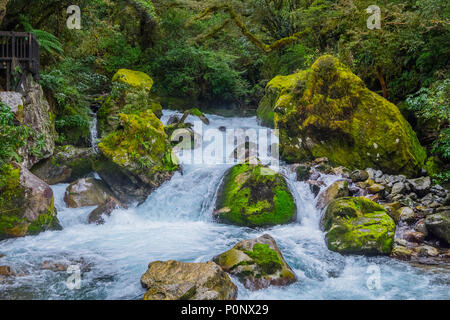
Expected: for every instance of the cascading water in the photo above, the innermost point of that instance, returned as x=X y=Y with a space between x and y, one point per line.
x=93 y=132
x=175 y=223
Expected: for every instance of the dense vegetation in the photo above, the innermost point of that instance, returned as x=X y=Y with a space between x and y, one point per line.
x=207 y=54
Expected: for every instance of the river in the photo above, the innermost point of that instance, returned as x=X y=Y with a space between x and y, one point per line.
x=175 y=223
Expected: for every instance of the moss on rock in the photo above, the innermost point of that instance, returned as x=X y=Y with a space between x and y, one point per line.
x=359 y=226
x=254 y=196
x=140 y=151
x=135 y=79
x=26 y=204
x=327 y=111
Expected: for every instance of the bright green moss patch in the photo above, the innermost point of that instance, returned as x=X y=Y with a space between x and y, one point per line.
x=358 y=225
x=134 y=78
x=267 y=259
x=255 y=199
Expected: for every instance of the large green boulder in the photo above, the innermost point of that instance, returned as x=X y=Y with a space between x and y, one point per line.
x=254 y=196
x=26 y=203
x=130 y=95
x=439 y=225
x=358 y=226
x=135 y=159
x=327 y=111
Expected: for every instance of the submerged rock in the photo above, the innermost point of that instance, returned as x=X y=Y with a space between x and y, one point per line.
x=258 y=263
x=68 y=164
x=327 y=111
x=86 y=192
x=135 y=159
x=96 y=216
x=7 y=271
x=173 y=280
x=26 y=204
x=358 y=226
x=254 y=196
x=336 y=190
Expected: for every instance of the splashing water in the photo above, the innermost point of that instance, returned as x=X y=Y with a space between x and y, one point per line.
x=175 y=223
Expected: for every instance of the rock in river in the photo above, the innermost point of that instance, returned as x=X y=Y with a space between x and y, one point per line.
x=174 y=280
x=258 y=263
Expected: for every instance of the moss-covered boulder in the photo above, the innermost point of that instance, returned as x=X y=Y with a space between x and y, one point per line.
x=327 y=111
x=254 y=196
x=130 y=95
x=68 y=164
x=135 y=159
x=358 y=226
x=174 y=280
x=257 y=263
x=26 y=203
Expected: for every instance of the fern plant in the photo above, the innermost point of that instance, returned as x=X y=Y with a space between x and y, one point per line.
x=47 y=41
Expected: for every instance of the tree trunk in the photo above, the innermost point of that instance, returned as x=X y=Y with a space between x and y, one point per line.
x=3 y=4
x=382 y=83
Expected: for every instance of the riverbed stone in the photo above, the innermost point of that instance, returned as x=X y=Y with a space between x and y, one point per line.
x=257 y=263
x=421 y=185
x=439 y=225
x=174 y=280
x=86 y=192
x=359 y=226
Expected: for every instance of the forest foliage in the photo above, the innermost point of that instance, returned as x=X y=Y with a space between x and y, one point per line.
x=208 y=53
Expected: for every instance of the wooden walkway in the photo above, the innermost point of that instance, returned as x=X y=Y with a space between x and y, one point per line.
x=19 y=48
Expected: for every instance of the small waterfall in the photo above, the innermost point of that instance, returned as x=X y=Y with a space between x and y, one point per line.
x=93 y=130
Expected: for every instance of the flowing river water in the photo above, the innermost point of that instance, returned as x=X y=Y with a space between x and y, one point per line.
x=175 y=222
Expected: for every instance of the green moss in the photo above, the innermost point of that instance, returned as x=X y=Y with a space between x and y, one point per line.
x=196 y=112
x=267 y=259
x=255 y=199
x=327 y=111
x=134 y=78
x=358 y=225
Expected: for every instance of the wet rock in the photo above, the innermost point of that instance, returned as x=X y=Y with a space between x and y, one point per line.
x=303 y=172
x=359 y=175
x=68 y=164
x=173 y=119
x=341 y=171
x=104 y=209
x=26 y=204
x=421 y=227
x=375 y=188
x=421 y=185
x=86 y=192
x=392 y=210
x=358 y=226
x=54 y=266
x=7 y=271
x=439 y=225
x=315 y=186
x=257 y=263
x=414 y=236
x=336 y=190
x=407 y=214
x=222 y=128
x=426 y=251
x=254 y=196
x=401 y=253
x=173 y=280
x=397 y=188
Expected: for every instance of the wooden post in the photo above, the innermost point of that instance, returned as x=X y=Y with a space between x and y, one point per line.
x=8 y=75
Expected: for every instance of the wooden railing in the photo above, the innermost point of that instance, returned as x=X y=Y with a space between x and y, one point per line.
x=21 y=48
